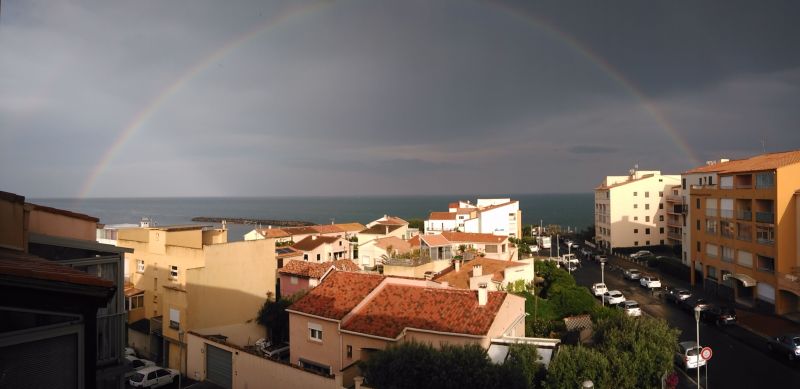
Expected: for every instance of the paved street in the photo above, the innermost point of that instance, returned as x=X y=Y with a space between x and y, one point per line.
x=740 y=358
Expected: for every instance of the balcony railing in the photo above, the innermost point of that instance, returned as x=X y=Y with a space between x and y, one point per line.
x=765 y=217
x=744 y=215
x=711 y=212
x=726 y=213
x=674 y=235
x=766 y=241
x=745 y=236
x=675 y=199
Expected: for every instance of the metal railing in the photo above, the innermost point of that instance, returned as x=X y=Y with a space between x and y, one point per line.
x=744 y=215
x=765 y=217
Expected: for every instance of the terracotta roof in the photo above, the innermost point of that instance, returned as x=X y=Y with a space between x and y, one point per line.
x=284 y=252
x=131 y=291
x=337 y=294
x=604 y=186
x=391 y=220
x=454 y=237
x=435 y=240
x=23 y=265
x=460 y=278
x=453 y=205
x=397 y=307
x=327 y=228
x=398 y=244
x=442 y=216
x=300 y=230
x=351 y=227
x=316 y=270
x=380 y=229
x=64 y=212
x=311 y=242
x=414 y=241
x=273 y=232
x=769 y=161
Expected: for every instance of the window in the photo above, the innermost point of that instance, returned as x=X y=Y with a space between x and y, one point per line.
x=635 y=230
x=349 y=351
x=635 y=193
x=173 y=272
x=647 y=219
x=318 y=257
x=698 y=247
x=315 y=332
x=711 y=272
x=712 y=250
x=660 y=194
x=647 y=206
x=340 y=243
x=711 y=226
x=135 y=302
x=660 y=205
x=765 y=180
x=698 y=224
x=635 y=218
x=293 y=280
x=744 y=258
x=765 y=235
x=697 y=203
x=766 y=264
x=646 y=194
x=635 y=206
x=174 y=318
x=647 y=243
x=727 y=254
x=662 y=242
x=661 y=218
x=647 y=231
x=683 y=183
x=636 y=243
x=305 y=257
x=661 y=230
x=140 y=265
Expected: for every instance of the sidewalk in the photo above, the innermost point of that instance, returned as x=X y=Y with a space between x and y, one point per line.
x=760 y=324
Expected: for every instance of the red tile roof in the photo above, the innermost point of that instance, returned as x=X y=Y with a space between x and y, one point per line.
x=458 y=237
x=442 y=216
x=337 y=295
x=435 y=240
x=287 y=252
x=311 y=242
x=396 y=243
x=380 y=229
x=397 y=307
x=761 y=162
x=496 y=267
x=391 y=220
x=316 y=270
x=19 y=264
x=273 y=233
x=414 y=241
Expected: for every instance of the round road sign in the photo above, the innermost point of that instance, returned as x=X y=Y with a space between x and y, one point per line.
x=706 y=353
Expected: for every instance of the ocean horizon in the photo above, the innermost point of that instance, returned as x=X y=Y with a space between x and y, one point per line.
x=570 y=210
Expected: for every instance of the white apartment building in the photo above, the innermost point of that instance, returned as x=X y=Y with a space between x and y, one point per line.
x=500 y=216
x=630 y=210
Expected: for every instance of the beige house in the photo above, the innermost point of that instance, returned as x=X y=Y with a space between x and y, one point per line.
x=323 y=248
x=349 y=315
x=296 y=234
x=493 y=273
x=378 y=248
x=387 y=226
x=191 y=277
x=630 y=210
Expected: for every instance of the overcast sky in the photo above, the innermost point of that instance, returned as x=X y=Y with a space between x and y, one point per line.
x=267 y=98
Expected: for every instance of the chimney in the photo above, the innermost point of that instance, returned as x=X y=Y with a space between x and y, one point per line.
x=483 y=294
x=458 y=265
x=477 y=271
x=269 y=227
x=387 y=230
x=313 y=237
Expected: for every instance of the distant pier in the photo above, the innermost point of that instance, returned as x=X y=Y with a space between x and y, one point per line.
x=264 y=222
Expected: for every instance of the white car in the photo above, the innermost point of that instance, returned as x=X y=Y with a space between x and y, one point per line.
x=613 y=297
x=153 y=377
x=130 y=351
x=630 y=307
x=138 y=363
x=650 y=282
x=688 y=355
x=599 y=288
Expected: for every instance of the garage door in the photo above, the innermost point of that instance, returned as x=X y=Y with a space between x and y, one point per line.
x=218 y=366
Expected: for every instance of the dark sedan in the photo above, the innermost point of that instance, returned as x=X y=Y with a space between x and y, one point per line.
x=690 y=303
x=675 y=296
x=719 y=315
x=788 y=345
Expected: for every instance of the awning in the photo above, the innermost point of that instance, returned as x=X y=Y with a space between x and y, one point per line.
x=744 y=278
x=131 y=291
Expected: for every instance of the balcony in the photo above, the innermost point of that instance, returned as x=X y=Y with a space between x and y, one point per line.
x=765 y=217
x=790 y=282
x=726 y=213
x=744 y=215
x=675 y=199
x=674 y=235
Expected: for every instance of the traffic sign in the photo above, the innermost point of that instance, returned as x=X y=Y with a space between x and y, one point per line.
x=706 y=353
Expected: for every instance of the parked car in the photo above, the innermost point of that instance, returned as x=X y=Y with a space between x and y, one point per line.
x=632 y=274
x=675 y=295
x=153 y=377
x=130 y=351
x=630 y=307
x=718 y=315
x=788 y=345
x=613 y=297
x=688 y=355
x=650 y=282
x=138 y=363
x=641 y=254
x=690 y=303
x=599 y=288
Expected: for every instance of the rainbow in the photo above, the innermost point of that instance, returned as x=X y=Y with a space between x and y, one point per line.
x=155 y=103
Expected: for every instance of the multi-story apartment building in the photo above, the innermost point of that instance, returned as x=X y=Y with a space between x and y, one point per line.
x=630 y=210
x=692 y=177
x=675 y=209
x=191 y=277
x=489 y=216
x=744 y=229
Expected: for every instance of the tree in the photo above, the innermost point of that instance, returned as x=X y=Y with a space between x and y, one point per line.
x=575 y=364
x=572 y=300
x=417 y=223
x=274 y=317
x=522 y=368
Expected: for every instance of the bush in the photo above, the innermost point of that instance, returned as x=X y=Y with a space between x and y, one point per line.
x=572 y=300
x=575 y=364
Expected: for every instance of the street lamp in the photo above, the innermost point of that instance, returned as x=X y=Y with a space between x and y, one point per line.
x=697 y=321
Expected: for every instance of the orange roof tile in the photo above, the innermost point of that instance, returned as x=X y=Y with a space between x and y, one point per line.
x=460 y=278
x=316 y=270
x=454 y=237
x=396 y=243
x=392 y=220
x=311 y=242
x=442 y=216
x=19 y=264
x=380 y=229
x=337 y=294
x=397 y=307
x=769 y=161
x=435 y=240
x=273 y=232
x=351 y=227
x=414 y=241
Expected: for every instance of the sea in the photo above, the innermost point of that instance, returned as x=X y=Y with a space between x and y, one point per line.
x=570 y=210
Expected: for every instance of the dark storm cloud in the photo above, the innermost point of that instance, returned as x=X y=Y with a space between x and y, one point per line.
x=386 y=97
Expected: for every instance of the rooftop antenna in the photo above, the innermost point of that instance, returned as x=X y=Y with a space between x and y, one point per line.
x=764 y=146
